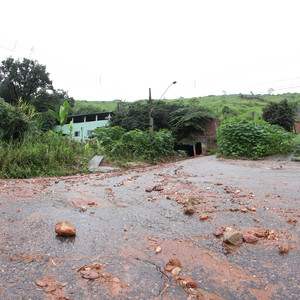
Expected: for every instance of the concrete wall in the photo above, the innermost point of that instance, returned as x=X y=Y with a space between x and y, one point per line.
x=81 y=130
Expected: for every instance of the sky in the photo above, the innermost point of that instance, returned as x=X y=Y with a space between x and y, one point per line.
x=118 y=49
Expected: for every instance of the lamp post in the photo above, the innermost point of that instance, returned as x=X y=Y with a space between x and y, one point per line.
x=151 y=122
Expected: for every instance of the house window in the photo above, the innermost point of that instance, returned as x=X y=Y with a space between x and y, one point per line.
x=77 y=133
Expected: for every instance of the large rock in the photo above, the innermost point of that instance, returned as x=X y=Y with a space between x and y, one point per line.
x=64 y=228
x=233 y=237
x=250 y=238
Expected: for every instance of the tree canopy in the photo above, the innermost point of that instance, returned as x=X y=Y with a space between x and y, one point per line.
x=282 y=113
x=182 y=120
x=22 y=79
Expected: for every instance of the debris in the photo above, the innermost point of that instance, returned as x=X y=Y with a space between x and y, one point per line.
x=176 y=271
x=190 y=209
x=218 y=233
x=172 y=264
x=250 y=238
x=233 y=237
x=158 y=188
x=90 y=271
x=284 y=248
x=203 y=217
x=64 y=228
x=157 y=250
x=292 y=221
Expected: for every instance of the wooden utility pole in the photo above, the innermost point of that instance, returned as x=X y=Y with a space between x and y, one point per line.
x=150 y=115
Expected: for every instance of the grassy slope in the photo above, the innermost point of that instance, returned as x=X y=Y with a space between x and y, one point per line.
x=240 y=105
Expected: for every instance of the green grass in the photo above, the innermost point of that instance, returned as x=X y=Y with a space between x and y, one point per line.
x=238 y=104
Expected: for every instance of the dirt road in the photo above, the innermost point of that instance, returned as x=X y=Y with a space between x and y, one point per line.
x=122 y=218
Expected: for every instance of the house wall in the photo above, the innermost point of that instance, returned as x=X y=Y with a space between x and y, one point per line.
x=81 y=130
x=207 y=138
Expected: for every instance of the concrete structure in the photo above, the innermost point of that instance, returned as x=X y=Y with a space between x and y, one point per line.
x=83 y=125
x=207 y=138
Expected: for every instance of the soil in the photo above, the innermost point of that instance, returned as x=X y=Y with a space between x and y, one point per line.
x=121 y=218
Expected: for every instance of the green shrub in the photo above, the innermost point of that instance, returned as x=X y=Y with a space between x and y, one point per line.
x=135 y=144
x=50 y=154
x=252 y=139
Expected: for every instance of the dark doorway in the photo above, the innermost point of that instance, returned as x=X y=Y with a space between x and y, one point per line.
x=190 y=149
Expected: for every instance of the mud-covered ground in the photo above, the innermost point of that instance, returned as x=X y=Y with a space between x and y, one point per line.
x=120 y=225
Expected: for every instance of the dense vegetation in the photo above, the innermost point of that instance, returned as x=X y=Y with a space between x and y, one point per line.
x=252 y=139
x=118 y=145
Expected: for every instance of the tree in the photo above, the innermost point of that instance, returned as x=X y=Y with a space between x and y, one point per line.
x=22 y=79
x=282 y=113
x=188 y=120
x=13 y=121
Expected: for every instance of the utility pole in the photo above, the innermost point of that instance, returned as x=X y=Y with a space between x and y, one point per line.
x=150 y=115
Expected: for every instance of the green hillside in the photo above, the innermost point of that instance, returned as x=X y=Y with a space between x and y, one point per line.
x=223 y=106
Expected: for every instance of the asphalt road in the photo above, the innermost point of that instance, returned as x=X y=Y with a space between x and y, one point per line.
x=120 y=225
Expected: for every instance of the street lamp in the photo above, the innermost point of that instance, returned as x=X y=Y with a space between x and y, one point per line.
x=151 y=122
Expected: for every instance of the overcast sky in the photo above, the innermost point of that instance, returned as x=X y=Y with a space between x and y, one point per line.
x=118 y=49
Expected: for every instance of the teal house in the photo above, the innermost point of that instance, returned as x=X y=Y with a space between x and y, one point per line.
x=83 y=125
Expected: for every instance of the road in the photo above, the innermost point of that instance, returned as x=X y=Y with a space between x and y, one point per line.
x=121 y=218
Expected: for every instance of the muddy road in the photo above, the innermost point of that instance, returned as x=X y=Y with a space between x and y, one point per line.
x=122 y=218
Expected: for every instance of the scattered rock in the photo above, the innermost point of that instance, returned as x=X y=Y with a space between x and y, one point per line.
x=90 y=271
x=92 y=203
x=218 y=183
x=149 y=189
x=190 y=209
x=218 y=233
x=157 y=250
x=253 y=208
x=158 y=188
x=64 y=228
x=250 y=238
x=41 y=283
x=172 y=264
x=175 y=262
x=189 y=282
x=203 y=217
x=261 y=233
x=233 y=237
x=284 y=248
x=176 y=271
x=244 y=210
x=292 y=221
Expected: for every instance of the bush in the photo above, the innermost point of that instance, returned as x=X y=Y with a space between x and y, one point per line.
x=13 y=121
x=50 y=154
x=135 y=144
x=252 y=139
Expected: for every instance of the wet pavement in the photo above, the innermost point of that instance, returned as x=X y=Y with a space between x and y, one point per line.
x=119 y=225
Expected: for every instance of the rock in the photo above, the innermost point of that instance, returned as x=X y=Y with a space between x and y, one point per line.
x=233 y=237
x=284 y=248
x=169 y=267
x=190 y=282
x=176 y=271
x=172 y=264
x=218 y=233
x=261 y=233
x=190 y=209
x=244 y=210
x=157 y=250
x=64 y=228
x=250 y=238
x=41 y=283
x=175 y=262
x=149 y=190
x=253 y=208
x=203 y=217
x=158 y=188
